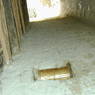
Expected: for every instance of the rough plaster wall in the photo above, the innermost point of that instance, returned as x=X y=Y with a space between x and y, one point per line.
x=68 y=7
x=86 y=9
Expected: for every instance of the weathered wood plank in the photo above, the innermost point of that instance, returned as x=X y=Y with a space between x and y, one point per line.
x=4 y=36
x=17 y=19
x=21 y=15
x=8 y=30
x=25 y=12
x=1 y=56
x=11 y=26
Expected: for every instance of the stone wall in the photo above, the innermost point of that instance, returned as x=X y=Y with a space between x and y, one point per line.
x=84 y=9
x=68 y=7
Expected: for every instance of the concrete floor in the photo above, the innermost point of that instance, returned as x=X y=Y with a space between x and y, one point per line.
x=52 y=44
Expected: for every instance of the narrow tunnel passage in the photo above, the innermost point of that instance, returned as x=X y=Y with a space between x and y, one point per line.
x=29 y=46
x=50 y=44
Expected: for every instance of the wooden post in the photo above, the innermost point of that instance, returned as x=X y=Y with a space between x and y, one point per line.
x=11 y=27
x=21 y=15
x=8 y=30
x=25 y=11
x=17 y=19
x=4 y=36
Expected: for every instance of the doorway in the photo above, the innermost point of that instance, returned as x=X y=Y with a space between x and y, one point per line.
x=43 y=9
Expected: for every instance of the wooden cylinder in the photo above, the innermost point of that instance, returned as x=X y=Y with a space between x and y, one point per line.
x=55 y=73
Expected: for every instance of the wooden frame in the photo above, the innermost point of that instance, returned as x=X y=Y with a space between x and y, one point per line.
x=12 y=26
x=4 y=36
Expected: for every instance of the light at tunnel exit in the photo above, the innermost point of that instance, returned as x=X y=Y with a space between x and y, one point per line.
x=43 y=9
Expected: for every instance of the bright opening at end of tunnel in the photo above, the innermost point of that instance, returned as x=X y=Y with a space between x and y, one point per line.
x=43 y=9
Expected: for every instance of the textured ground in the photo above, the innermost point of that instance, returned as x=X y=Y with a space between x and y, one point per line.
x=52 y=44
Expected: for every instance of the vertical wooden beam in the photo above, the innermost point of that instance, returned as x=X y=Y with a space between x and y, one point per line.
x=4 y=36
x=17 y=19
x=8 y=30
x=11 y=27
x=25 y=11
x=21 y=15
